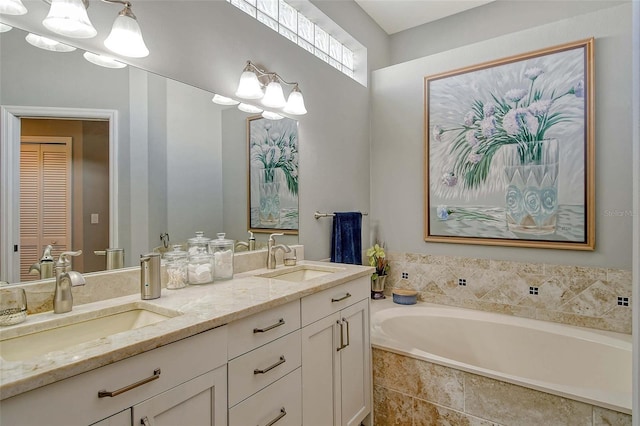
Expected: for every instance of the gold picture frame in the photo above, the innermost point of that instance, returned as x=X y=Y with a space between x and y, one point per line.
x=509 y=151
x=272 y=194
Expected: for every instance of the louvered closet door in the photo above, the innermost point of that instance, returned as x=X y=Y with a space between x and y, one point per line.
x=45 y=201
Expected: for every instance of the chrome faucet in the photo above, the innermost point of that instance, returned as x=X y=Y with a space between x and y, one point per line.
x=273 y=248
x=65 y=279
x=43 y=268
x=251 y=245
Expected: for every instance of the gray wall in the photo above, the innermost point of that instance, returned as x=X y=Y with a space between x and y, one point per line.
x=206 y=45
x=483 y=23
x=398 y=143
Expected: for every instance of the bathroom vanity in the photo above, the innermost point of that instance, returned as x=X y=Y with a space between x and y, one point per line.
x=288 y=346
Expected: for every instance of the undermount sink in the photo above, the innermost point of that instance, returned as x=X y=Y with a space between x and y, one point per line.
x=88 y=326
x=301 y=273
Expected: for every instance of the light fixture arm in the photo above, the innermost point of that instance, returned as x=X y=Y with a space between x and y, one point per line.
x=127 y=8
x=260 y=72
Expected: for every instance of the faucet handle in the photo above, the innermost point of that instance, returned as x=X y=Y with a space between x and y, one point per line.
x=64 y=260
x=277 y=234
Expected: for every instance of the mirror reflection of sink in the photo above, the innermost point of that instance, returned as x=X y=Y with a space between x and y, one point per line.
x=301 y=273
x=86 y=327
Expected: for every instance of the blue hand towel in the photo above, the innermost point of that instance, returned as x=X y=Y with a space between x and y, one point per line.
x=346 y=238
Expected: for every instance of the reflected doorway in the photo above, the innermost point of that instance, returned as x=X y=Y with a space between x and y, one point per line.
x=64 y=191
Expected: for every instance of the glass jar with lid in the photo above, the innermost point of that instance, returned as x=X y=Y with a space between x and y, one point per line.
x=176 y=261
x=198 y=243
x=200 y=267
x=222 y=251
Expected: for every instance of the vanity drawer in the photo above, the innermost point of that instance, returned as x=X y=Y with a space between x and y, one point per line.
x=326 y=302
x=75 y=400
x=282 y=399
x=259 y=368
x=263 y=327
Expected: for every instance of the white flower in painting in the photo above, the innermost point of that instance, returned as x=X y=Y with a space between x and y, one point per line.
x=488 y=126
x=449 y=179
x=443 y=212
x=540 y=108
x=437 y=133
x=578 y=89
x=489 y=109
x=469 y=119
x=533 y=73
x=519 y=119
x=515 y=95
x=474 y=158
x=471 y=138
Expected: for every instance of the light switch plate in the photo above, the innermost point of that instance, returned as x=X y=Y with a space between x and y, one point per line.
x=94 y=218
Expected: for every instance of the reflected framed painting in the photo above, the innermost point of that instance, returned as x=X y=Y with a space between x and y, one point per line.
x=509 y=151
x=273 y=175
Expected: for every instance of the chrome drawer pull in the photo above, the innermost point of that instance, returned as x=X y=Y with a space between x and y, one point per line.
x=271 y=327
x=104 y=393
x=346 y=296
x=271 y=367
x=283 y=413
x=145 y=421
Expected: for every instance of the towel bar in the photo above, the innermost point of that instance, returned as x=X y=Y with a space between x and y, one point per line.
x=318 y=215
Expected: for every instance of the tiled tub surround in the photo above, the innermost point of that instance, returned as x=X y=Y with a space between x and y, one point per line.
x=438 y=395
x=575 y=295
x=565 y=363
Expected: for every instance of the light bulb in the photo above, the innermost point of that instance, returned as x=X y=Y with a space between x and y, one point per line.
x=69 y=18
x=103 y=61
x=272 y=115
x=249 y=108
x=273 y=96
x=48 y=44
x=249 y=87
x=223 y=100
x=126 y=38
x=12 y=7
x=295 y=103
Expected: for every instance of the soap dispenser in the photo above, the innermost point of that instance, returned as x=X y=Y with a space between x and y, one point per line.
x=252 y=241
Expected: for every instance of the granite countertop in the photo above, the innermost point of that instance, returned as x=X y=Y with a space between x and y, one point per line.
x=201 y=308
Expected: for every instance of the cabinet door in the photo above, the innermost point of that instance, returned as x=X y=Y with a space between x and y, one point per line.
x=123 y=418
x=198 y=402
x=320 y=384
x=355 y=365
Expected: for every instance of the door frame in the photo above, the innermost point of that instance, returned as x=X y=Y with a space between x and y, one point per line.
x=10 y=116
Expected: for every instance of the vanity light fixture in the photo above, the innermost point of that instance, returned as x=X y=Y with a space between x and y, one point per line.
x=69 y=18
x=250 y=87
x=223 y=100
x=103 y=61
x=48 y=44
x=126 y=38
x=12 y=7
x=249 y=108
x=4 y=28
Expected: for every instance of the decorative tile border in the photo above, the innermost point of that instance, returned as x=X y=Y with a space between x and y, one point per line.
x=575 y=295
x=412 y=392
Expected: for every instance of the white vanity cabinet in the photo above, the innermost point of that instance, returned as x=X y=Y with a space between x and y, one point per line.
x=264 y=368
x=336 y=355
x=183 y=380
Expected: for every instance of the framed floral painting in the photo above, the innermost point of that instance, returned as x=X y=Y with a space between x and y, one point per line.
x=273 y=175
x=509 y=151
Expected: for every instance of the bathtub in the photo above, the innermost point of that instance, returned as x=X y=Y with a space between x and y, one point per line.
x=578 y=363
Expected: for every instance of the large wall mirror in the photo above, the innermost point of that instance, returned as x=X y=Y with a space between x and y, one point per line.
x=137 y=155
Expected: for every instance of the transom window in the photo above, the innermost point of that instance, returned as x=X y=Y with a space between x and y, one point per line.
x=294 y=25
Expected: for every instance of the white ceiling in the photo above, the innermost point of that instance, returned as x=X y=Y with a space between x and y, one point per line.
x=398 y=15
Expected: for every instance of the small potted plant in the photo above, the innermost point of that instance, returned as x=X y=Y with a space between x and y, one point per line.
x=378 y=259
